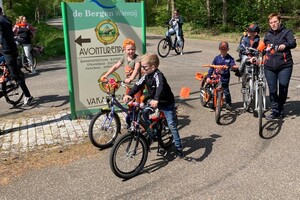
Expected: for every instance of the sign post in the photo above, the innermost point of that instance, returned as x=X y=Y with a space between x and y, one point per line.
x=94 y=32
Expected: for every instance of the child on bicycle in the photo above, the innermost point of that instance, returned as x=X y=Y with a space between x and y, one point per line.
x=252 y=40
x=224 y=59
x=132 y=68
x=160 y=93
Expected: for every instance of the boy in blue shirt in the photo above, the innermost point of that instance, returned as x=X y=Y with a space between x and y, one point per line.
x=224 y=59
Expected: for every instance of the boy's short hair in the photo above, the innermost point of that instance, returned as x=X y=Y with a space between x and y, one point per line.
x=128 y=41
x=223 y=45
x=150 y=58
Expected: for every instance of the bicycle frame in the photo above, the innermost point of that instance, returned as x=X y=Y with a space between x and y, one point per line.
x=260 y=82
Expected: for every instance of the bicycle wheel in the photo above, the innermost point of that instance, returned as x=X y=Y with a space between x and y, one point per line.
x=218 y=107
x=14 y=93
x=166 y=137
x=260 y=109
x=247 y=89
x=128 y=156
x=163 y=47
x=177 y=48
x=104 y=128
x=204 y=94
x=25 y=63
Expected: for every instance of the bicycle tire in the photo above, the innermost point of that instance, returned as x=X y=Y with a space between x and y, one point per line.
x=26 y=66
x=260 y=109
x=166 y=137
x=204 y=94
x=247 y=97
x=218 y=107
x=164 y=47
x=14 y=93
x=177 y=48
x=121 y=160
x=100 y=136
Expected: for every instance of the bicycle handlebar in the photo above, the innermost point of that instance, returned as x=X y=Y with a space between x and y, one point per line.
x=216 y=66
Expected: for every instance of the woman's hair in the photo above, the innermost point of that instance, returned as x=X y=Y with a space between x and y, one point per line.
x=150 y=58
x=274 y=15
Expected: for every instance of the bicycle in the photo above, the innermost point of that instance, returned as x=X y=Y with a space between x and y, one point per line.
x=165 y=45
x=255 y=87
x=212 y=92
x=10 y=89
x=24 y=59
x=129 y=154
x=105 y=126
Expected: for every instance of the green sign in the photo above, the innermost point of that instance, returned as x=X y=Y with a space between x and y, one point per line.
x=94 y=32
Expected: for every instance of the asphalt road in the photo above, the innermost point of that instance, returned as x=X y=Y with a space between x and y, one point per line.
x=228 y=161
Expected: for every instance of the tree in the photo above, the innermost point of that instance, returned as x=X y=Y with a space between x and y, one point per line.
x=224 y=13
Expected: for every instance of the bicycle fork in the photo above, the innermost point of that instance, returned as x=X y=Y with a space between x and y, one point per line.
x=262 y=85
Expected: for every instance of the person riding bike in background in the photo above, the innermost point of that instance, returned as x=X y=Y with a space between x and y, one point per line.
x=24 y=33
x=224 y=59
x=160 y=94
x=132 y=68
x=251 y=40
x=176 y=23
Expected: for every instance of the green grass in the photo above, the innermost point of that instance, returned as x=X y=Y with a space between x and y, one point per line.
x=51 y=38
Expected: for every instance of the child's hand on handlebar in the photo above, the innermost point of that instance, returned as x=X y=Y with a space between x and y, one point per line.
x=127 y=98
x=103 y=79
x=127 y=80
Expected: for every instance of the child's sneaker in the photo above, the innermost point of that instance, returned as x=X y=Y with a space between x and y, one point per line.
x=27 y=101
x=179 y=153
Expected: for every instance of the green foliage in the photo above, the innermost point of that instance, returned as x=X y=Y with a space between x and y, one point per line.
x=51 y=39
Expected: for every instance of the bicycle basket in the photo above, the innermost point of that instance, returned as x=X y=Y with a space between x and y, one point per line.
x=110 y=86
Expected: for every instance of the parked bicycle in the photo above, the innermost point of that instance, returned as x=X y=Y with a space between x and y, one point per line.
x=106 y=124
x=211 y=93
x=129 y=154
x=165 y=45
x=254 y=87
x=9 y=89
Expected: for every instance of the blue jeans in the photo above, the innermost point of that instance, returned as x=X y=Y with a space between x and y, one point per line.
x=281 y=76
x=226 y=92
x=170 y=32
x=169 y=112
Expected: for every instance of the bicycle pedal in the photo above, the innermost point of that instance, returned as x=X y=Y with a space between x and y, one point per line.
x=162 y=152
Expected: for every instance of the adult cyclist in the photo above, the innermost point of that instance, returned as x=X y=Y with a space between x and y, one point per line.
x=176 y=23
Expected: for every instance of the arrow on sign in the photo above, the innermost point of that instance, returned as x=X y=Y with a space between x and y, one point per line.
x=80 y=40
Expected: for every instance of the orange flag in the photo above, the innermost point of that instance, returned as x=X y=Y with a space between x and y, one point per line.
x=185 y=92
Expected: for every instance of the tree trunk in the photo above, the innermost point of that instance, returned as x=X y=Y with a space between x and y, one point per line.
x=224 y=20
x=208 y=13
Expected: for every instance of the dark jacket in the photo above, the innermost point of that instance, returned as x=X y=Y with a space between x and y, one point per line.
x=24 y=33
x=279 y=59
x=7 y=40
x=220 y=60
x=157 y=86
x=246 y=43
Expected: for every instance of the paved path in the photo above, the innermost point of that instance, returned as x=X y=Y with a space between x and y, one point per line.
x=22 y=135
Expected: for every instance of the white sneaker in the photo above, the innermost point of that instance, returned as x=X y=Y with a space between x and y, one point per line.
x=27 y=101
x=33 y=71
x=181 y=53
